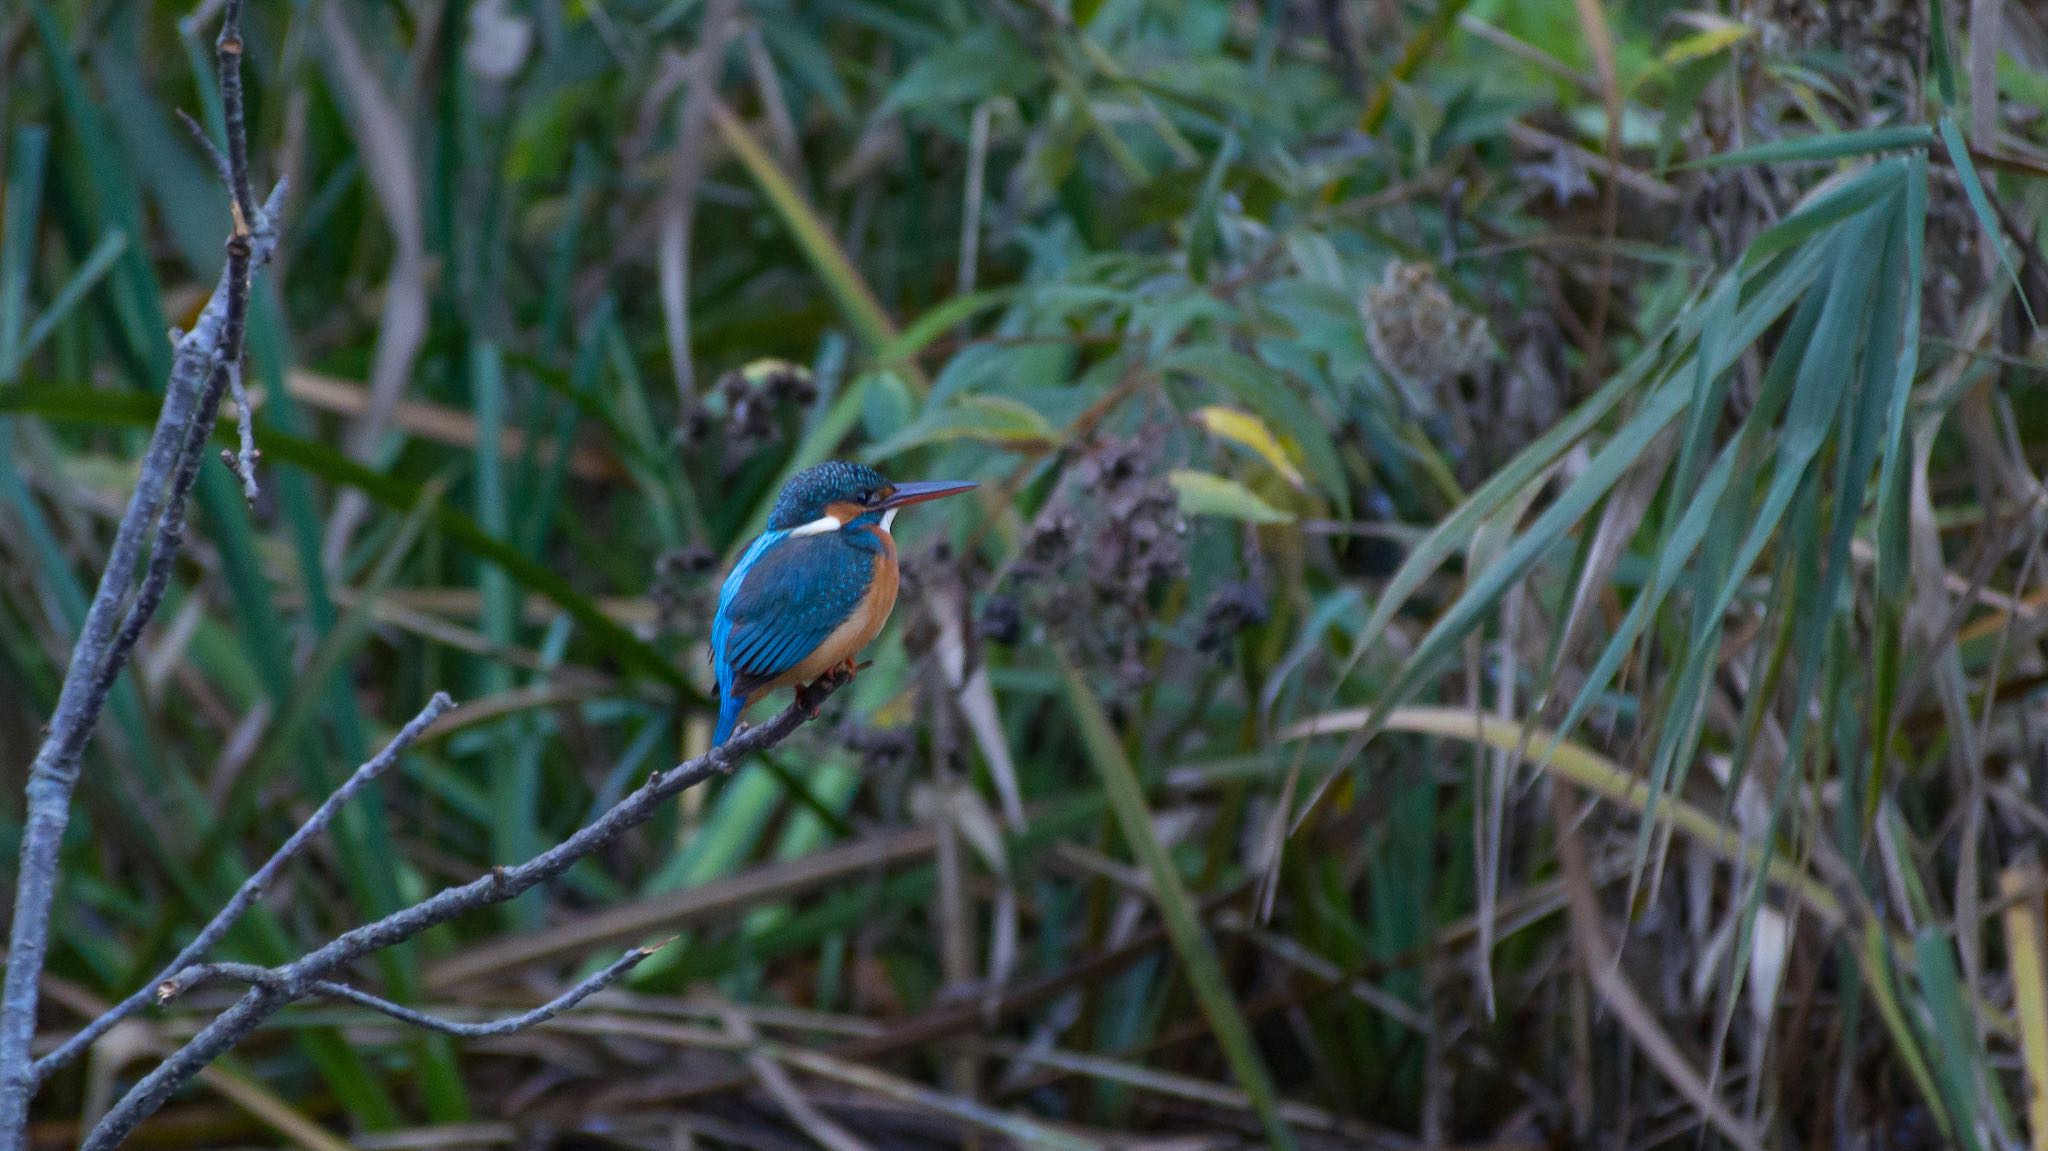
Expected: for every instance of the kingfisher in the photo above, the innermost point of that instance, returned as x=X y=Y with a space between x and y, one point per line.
x=814 y=588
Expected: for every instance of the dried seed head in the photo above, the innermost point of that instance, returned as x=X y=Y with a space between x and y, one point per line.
x=1098 y=555
x=1236 y=606
x=1419 y=333
x=1002 y=620
x=758 y=392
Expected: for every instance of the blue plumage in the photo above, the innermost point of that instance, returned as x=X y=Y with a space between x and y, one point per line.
x=786 y=595
x=731 y=703
x=800 y=600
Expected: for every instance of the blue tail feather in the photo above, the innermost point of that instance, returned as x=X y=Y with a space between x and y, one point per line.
x=729 y=708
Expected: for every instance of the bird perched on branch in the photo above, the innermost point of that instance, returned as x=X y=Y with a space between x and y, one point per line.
x=814 y=588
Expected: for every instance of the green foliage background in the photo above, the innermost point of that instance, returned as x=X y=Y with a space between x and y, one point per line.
x=1348 y=382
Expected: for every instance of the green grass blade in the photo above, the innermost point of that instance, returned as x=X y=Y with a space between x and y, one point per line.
x=855 y=298
x=1176 y=906
x=1959 y=1069
x=98 y=263
x=1829 y=146
x=1980 y=204
x=26 y=158
x=87 y=406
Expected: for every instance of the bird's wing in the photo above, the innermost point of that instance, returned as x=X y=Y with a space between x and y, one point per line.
x=721 y=623
x=783 y=600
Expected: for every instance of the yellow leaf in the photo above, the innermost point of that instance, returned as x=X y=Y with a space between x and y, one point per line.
x=1719 y=37
x=1246 y=429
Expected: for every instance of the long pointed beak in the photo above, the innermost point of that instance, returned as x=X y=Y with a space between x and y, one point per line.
x=917 y=493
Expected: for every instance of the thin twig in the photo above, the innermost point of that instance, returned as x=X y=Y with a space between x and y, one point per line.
x=269 y=979
x=200 y=974
x=227 y=50
x=253 y=888
x=191 y=397
x=212 y=150
x=302 y=976
x=242 y=461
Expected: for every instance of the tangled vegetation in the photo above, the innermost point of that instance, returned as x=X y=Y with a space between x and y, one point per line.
x=1505 y=605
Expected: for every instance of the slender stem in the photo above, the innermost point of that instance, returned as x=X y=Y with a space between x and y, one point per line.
x=242 y=461
x=264 y=977
x=228 y=51
x=279 y=986
x=191 y=398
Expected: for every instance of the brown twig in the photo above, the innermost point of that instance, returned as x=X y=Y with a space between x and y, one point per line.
x=1596 y=962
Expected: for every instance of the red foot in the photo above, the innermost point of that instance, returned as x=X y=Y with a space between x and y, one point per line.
x=811 y=698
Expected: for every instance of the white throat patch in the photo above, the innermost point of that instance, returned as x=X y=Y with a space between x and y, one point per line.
x=819 y=526
x=889 y=517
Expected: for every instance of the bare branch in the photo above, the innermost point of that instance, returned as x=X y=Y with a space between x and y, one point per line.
x=212 y=150
x=156 y=509
x=242 y=461
x=200 y=974
x=227 y=50
x=252 y=889
x=264 y=977
x=280 y=986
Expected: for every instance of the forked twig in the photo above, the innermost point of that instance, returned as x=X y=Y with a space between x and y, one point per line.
x=200 y=372
x=264 y=977
x=274 y=988
x=252 y=889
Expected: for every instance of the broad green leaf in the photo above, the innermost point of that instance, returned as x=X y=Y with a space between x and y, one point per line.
x=1206 y=494
x=985 y=419
x=1834 y=202
x=1268 y=393
x=1960 y=1067
x=988 y=61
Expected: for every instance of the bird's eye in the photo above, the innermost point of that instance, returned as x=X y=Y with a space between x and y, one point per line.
x=868 y=496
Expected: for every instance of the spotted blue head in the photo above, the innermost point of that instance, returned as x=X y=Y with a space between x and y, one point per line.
x=839 y=493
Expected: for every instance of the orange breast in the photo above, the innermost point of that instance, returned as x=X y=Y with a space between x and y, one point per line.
x=860 y=628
